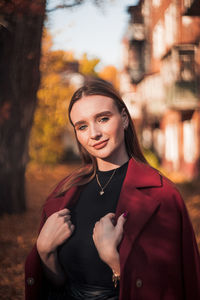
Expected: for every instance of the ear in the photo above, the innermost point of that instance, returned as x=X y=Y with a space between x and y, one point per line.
x=125 y=119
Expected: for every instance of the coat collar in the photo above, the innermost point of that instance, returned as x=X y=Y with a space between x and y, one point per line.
x=139 y=175
x=142 y=175
x=56 y=204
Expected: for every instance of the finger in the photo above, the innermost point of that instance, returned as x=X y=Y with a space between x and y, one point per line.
x=110 y=216
x=67 y=218
x=120 y=223
x=63 y=212
x=97 y=223
x=69 y=223
x=95 y=226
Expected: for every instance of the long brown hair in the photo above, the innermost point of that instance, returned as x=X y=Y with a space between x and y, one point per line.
x=87 y=172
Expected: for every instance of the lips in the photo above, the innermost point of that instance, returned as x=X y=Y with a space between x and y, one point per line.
x=100 y=145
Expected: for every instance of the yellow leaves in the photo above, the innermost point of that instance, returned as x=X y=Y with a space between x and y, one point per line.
x=53 y=61
x=50 y=118
x=110 y=73
x=87 y=66
x=69 y=56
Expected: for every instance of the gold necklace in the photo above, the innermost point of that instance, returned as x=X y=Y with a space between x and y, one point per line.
x=103 y=187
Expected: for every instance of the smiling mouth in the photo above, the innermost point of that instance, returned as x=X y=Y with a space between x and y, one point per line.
x=100 y=144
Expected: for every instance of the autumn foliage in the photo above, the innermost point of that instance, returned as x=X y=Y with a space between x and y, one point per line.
x=50 y=115
x=110 y=73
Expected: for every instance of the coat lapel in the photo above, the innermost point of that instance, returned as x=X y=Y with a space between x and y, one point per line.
x=56 y=204
x=140 y=207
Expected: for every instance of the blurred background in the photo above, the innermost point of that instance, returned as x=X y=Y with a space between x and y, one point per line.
x=148 y=49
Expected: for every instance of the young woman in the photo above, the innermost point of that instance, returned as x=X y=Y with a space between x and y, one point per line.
x=115 y=228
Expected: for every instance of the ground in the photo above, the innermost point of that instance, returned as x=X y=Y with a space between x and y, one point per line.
x=18 y=232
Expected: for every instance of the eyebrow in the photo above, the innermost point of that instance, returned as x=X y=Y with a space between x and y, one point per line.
x=103 y=113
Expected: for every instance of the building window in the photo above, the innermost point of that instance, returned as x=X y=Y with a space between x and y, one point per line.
x=170 y=20
x=187 y=3
x=189 y=141
x=156 y=3
x=172 y=145
x=187 y=65
x=158 y=40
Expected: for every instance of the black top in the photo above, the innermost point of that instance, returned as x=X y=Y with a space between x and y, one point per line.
x=78 y=255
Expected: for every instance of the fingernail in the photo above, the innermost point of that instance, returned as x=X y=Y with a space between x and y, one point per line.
x=125 y=214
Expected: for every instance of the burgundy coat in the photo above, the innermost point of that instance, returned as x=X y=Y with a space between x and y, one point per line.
x=159 y=257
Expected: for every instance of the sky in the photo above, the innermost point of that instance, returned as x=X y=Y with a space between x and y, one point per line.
x=90 y=29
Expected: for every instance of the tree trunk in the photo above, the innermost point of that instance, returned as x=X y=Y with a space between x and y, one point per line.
x=20 y=46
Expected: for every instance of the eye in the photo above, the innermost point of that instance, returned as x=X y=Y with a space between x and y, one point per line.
x=104 y=119
x=82 y=127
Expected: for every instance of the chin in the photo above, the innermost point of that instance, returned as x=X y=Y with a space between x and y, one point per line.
x=101 y=154
x=107 y=155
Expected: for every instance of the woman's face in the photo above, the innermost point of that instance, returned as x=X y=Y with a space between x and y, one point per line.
x=100 y=127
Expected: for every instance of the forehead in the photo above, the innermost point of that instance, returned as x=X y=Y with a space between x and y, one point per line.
x=88 y=106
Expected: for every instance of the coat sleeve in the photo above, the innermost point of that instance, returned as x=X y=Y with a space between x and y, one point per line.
x=190 y=255
x=34 y=277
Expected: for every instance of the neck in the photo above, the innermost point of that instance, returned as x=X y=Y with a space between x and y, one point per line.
x=112 y=163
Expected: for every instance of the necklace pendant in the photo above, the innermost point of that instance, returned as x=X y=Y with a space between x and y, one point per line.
x=103 y=187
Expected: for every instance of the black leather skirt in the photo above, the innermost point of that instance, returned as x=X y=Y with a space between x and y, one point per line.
x=75 y=291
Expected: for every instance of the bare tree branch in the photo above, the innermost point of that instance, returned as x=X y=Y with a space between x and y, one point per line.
x=61 y=6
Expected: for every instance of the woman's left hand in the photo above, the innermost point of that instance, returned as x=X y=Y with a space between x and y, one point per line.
x=107 y=237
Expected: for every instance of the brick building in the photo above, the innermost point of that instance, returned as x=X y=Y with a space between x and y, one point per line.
x=162 y=62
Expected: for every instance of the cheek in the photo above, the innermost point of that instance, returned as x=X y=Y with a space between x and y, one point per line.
x=117 y=129
x=81 y=138
x=120 y=135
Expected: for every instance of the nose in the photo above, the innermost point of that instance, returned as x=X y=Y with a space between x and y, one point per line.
x=95 y=132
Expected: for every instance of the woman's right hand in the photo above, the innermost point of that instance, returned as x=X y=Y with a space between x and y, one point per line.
x=56 y=230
